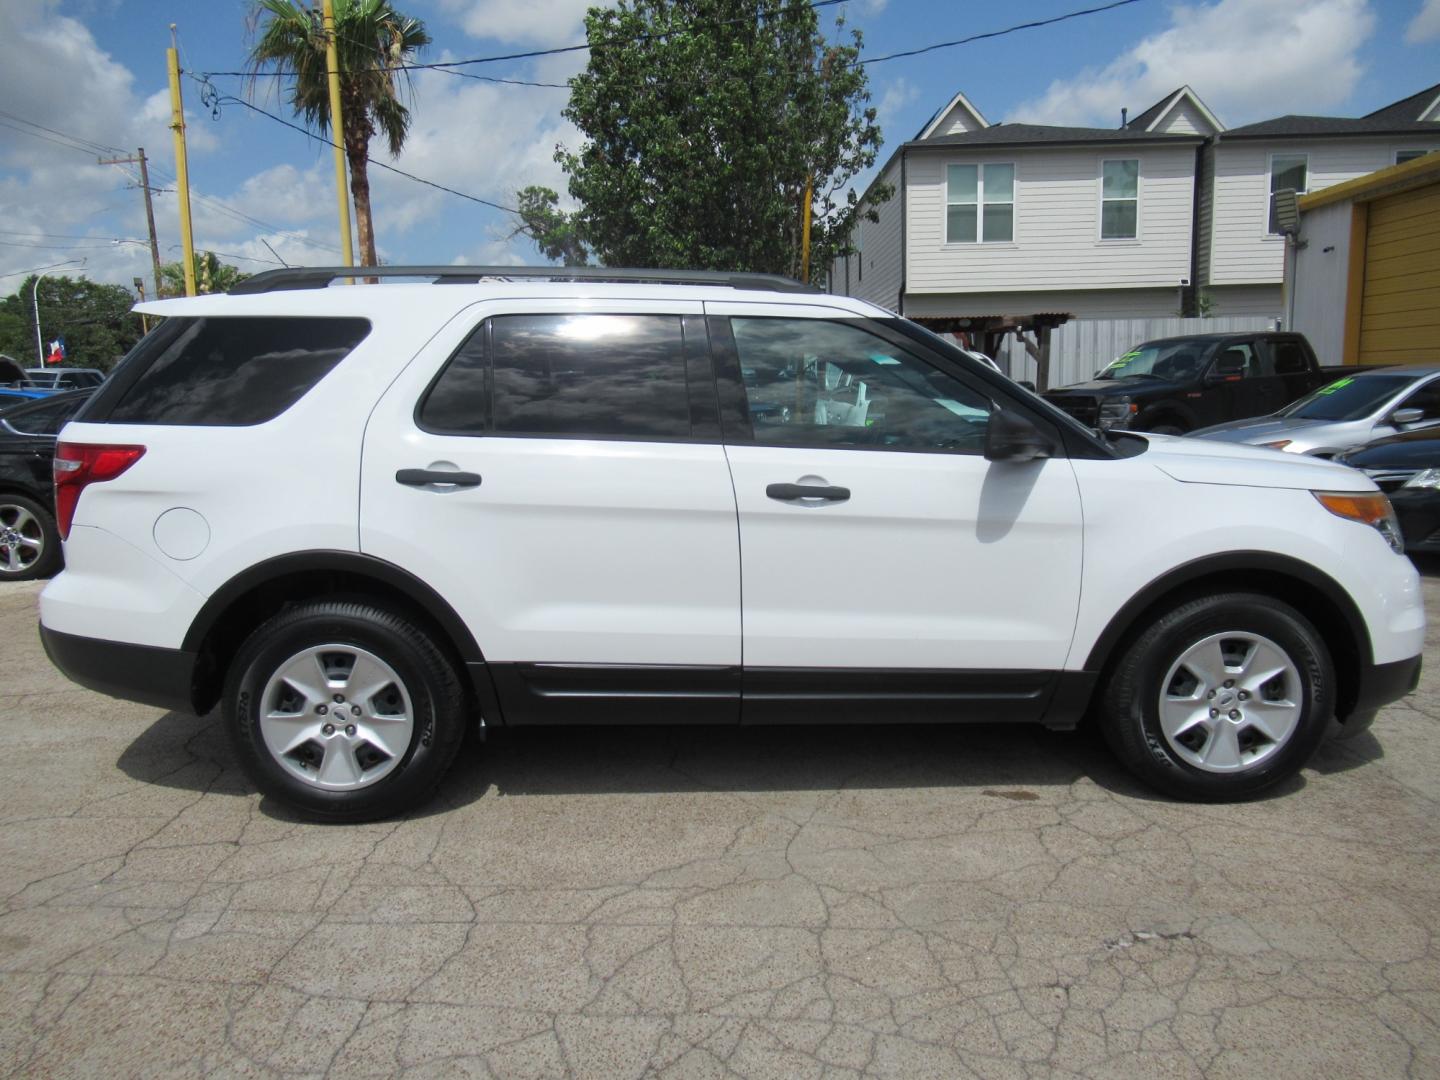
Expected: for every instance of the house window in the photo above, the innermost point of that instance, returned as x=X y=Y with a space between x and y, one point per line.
x=1120 y=199
x=1402 y=156
x=1286 y=171
x=979 y=204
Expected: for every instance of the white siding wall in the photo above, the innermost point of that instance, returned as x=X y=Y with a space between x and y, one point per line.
x=1184 y=119
x=1057 y=242
x=1240 y=251
x=1267 y=300
x=879 y=280
x=1319 y=279
x=957 y=121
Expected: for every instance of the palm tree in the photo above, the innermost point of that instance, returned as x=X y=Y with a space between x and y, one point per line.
x=373 y=42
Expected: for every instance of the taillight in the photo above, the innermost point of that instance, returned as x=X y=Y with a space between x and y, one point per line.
x=79 y=464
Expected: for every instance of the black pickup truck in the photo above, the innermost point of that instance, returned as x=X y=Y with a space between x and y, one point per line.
x=1178 y=384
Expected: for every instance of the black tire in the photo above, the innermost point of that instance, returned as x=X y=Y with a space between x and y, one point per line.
x=1130 y=701
x=47 y=533
x=437 y=700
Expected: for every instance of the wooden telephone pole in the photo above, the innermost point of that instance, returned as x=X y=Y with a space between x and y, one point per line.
x=139 y=159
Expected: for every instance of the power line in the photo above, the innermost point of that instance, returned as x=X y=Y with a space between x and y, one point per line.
x=216 y=98
x=88 y=143
x=443 y=65
x=995 y=33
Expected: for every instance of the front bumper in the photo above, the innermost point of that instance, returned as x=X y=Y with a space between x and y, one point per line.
x=144 y=673
x=1379 y=685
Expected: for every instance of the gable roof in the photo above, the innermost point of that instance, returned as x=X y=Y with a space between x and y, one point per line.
x=1310 y=126
x=1422 y=106
x=959 y=101
x=1048 y=134
x=1151 y=117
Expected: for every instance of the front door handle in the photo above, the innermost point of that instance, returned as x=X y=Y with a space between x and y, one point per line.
x=425 y=477
x=805 y=492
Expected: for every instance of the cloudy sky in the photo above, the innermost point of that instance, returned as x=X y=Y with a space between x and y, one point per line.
x=87 y=75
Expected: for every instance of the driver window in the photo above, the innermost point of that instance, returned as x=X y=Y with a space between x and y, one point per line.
x=1239 y=358
x=811 y=382
x=1426 y=398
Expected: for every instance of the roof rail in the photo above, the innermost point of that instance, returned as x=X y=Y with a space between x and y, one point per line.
x=320 y=277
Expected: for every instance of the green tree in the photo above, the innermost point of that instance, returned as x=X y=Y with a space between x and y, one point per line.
x=211 y=275
x=555 y=232
x=95 y=320
x=373 y=42
x=702 y=125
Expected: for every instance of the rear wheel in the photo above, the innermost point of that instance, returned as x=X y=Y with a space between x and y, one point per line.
x=29 y=540
x=345 y=711
x=1220 y=698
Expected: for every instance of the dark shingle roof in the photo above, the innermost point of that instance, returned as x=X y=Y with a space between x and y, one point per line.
x=1146 y=118
x=1408 y=109
x=1302 y=126
x=1042 y=134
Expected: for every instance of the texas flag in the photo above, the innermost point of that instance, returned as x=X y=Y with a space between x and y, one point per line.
x=57 y=351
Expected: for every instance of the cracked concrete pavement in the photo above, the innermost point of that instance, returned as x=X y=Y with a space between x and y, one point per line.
x=948 y=902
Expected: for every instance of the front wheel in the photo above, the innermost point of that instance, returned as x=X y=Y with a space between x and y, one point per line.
x=343 y=710
x=1220 y=698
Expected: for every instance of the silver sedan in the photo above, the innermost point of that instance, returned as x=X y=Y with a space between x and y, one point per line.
x=1351 y=411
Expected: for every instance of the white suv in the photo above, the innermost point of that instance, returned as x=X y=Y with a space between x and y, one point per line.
x=362 y=517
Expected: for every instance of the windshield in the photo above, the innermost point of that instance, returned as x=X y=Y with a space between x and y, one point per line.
x=1158 y=360
x=1349 y=398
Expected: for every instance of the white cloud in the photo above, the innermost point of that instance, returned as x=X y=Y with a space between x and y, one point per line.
x=562 y=22
x=1247 y=59
x=893 y=97
x=1426 y=24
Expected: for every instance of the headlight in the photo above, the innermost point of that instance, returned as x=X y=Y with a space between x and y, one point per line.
x=1117 y=414
x=1278 y=444
x=1425 y=478
x=1366 y=508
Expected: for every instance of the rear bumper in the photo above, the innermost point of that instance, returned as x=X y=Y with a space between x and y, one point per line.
x=144 y=673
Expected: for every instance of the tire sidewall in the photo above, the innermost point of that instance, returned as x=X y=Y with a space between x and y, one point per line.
x=49 y=560
x=1237 y=613
x=275 y=643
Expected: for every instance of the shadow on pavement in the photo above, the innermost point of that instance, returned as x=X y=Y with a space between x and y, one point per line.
x=1009 y=761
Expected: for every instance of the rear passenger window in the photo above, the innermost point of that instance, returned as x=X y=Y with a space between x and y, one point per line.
x=227 y=371
x=585 y=376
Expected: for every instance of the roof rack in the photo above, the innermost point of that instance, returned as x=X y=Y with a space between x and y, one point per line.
x=320 y=277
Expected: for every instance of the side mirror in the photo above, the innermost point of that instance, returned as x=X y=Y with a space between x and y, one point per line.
x=1401 y=417
x=1011 y=436
x=1226 y=368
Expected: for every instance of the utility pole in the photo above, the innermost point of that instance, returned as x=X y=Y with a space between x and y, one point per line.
x=805 y=210
x=332 y=67
x=139 y=159
x=182 y=165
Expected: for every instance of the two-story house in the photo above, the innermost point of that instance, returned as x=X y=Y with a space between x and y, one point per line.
x=1167 y=213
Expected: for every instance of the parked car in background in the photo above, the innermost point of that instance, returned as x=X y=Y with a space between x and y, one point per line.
x=1357 y=408
x=1174 y=385
x=29 y=541
x=64 y=378
x=11 y=396
x=1407 y=468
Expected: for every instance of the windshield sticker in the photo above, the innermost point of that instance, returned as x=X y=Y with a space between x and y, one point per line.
x=1338 y=384
x=1121 y=361
x=881 y=358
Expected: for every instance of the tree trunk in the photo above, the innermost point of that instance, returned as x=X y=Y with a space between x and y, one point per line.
x=358 y=131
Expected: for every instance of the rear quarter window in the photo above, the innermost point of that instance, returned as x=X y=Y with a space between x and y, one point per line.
x=228 y=371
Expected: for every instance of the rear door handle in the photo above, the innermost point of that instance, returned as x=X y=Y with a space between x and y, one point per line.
x=805 y=492
x=424 y=477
